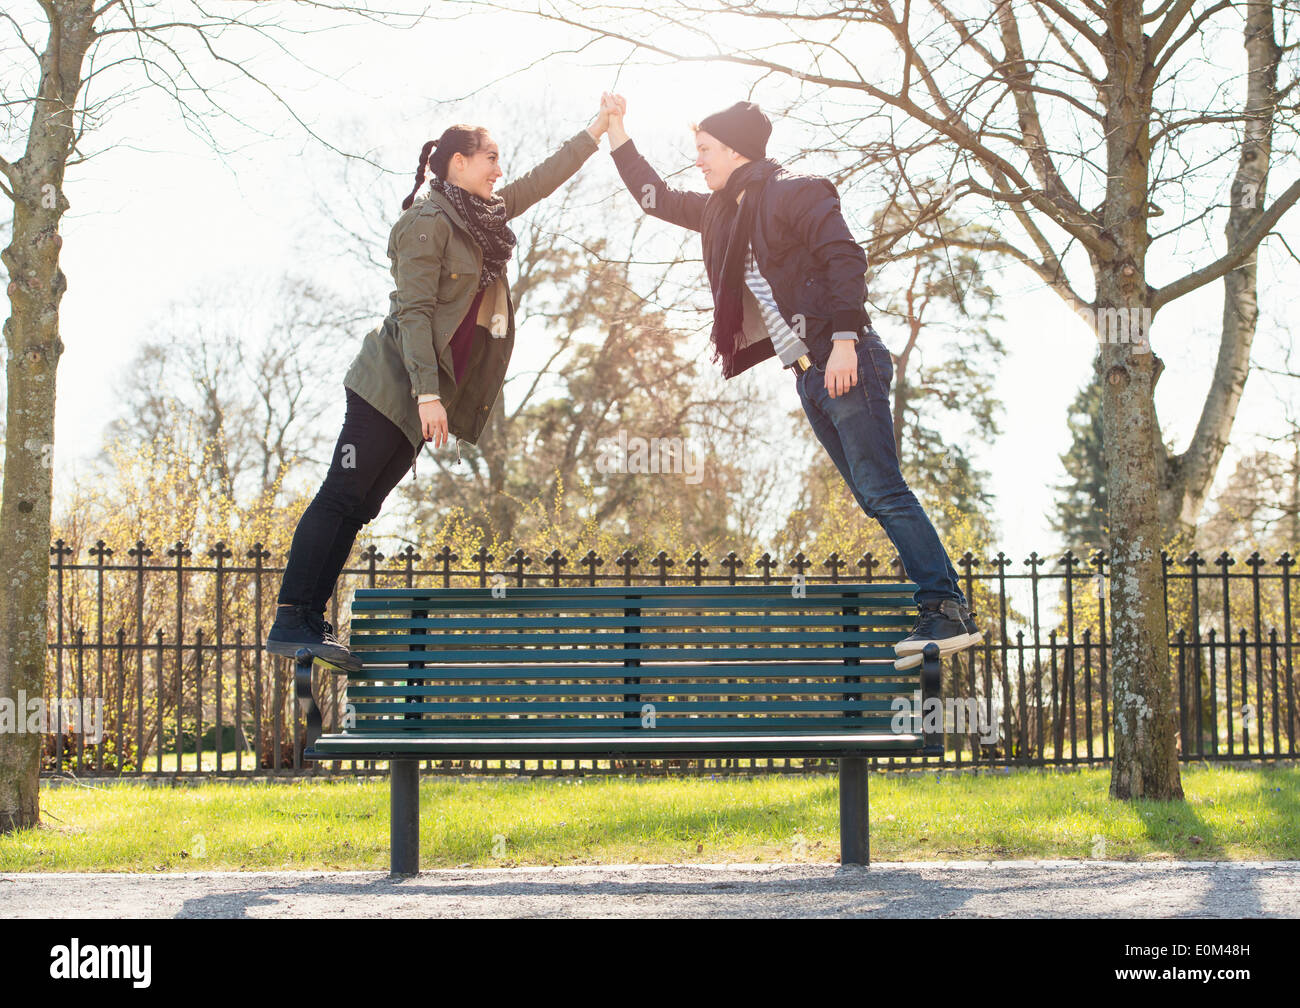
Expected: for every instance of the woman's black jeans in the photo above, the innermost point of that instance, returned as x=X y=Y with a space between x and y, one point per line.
x=370 y=459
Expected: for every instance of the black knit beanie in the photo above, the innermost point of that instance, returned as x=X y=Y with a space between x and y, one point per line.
x=743 y=127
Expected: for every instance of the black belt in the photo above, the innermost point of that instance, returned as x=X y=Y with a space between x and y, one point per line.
x=802 y=364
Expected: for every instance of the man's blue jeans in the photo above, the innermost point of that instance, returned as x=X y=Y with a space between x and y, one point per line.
x=857 y=432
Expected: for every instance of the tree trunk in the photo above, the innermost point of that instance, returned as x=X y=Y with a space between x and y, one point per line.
x=1146 y=760
x=32 y=336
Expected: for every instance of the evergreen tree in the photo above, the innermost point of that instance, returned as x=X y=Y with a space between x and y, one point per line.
x=1080 y=517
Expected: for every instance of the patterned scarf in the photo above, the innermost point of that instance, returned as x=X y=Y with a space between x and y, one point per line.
x=726 y=230
x=486 y=220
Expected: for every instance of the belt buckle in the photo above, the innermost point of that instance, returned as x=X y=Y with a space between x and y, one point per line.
x=802 y=364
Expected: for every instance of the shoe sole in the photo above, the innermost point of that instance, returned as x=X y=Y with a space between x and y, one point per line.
x=290 y=650
x=911 y=661
x=905 y=648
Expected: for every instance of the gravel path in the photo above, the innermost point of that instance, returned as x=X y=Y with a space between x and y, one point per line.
x=887 y=889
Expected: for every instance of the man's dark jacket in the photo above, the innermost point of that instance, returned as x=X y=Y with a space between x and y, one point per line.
x=804 y=250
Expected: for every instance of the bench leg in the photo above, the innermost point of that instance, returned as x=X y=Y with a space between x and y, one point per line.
x=854 y=824
x=404 y=834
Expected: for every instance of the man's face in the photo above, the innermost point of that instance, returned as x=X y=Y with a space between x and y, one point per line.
x=478 y=172
x=716 y=160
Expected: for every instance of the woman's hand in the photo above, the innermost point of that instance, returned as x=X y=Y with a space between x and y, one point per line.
x=601 y=123
x=433 y=422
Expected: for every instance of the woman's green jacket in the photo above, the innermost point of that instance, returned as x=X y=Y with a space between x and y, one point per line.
x=435 y=266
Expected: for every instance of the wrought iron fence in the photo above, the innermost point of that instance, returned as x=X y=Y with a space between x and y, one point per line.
x=171 y=652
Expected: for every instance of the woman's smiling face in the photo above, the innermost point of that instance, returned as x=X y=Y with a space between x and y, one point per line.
x=478 y=172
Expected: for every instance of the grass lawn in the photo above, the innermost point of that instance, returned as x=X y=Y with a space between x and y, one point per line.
x=1230 y=813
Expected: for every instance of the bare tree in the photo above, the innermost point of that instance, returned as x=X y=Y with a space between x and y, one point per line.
x=66 y=67
x=1080 y=124
x=251 y=372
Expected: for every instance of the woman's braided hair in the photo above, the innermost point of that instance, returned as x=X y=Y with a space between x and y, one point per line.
x=458 y=139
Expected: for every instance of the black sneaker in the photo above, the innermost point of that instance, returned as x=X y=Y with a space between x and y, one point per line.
x=318 y=620
x=295 y=628
x=947 y=623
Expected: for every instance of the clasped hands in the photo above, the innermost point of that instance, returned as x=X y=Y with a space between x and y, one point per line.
x=609 y=119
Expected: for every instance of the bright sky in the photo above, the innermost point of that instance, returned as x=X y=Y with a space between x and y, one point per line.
x=157 y=216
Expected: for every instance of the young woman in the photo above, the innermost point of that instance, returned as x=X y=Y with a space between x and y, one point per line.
x=435 y=366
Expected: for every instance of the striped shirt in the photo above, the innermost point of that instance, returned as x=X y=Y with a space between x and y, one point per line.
x=763 y=319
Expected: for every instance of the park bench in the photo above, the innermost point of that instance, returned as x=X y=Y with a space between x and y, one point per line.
x=747 y=671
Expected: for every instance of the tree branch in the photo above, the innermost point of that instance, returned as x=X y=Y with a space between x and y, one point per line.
x=1085 y=228
x=1233 y=257
x=1158 y=65
x=1079 y=25
x=1031 y=126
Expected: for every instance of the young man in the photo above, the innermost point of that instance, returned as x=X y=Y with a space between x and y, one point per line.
x=789 y=281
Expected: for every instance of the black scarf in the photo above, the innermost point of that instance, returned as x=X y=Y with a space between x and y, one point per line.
x=486 y=220
x=726 y=230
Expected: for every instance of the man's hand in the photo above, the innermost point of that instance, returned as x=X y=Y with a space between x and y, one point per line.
x=842 y=368
x=616 y=106
x=600 y=124
x=433 y=422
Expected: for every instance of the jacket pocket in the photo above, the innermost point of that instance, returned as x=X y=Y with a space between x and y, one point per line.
x=456 y=281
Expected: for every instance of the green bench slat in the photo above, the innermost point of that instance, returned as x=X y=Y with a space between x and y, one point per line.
x=641 y=688
x=497 y=657
x=358 y=642
x=488 y=707
x=626 y=744
x=766 y=723
x=723 y=619
x=751 y=604
x=813 y=590
x=834 y=671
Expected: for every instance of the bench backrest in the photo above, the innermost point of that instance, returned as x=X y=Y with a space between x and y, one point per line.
x=731 y=659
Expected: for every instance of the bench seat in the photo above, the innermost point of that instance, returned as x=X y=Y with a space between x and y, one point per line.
x=360 y=745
